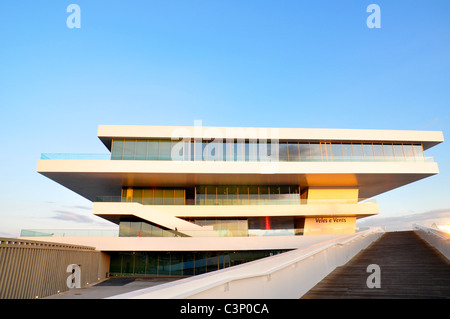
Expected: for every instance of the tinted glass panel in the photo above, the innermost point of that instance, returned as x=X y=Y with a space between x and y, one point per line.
x=398 y=151
x=408 y=151
x=347 y=151
x=388 y=151
x=253 y=151
x=378 y=152
x=141 y=150
x=304 y=151
x=165 y=149
x=368 y=151
x=283 y=151
x=176 y=153
x=336 y=149
x=358 y=151
x=418 y=152
x=316 y=154
x=153 y=150
x=293 y=152
x=117 y=150
x=263 y=155
x=129 y=149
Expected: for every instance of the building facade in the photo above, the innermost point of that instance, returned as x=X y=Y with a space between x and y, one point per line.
x=189 y=198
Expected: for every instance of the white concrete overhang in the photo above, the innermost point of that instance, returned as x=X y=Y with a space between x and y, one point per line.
x=107 y=132
x=107 y=244
x=170 y=216
x=92 y=178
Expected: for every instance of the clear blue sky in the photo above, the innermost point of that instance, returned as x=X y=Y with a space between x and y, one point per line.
x=287 y=63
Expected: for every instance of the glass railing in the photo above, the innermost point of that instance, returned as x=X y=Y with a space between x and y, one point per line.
x=69 y=233
x=200 y=202
x=70 y=156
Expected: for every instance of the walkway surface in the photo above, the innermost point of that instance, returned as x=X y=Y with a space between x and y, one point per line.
x=111 y=287
x=409 y=268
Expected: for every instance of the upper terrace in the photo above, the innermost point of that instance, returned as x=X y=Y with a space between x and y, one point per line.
x=374 y=161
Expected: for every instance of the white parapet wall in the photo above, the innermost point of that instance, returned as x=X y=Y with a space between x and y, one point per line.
x=285 y=276
x=435 y=237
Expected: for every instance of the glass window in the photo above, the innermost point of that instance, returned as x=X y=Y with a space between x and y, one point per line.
x=273 y=151
x=141 y=150
x=222 y=194
x=378 y=152
x=146 y=230
x=293 y=152
x=246 y=151
x=253 y=194
x=274 y=192
x=336 y=149
x=229 y=152
x=368 y=151
x=165 y=150
x=178 y=197
x=211 y=195
x=388 y=151
x=326 y=151
x=263 y=154
x=125 y=229
x=129 y=149
x=147 y=197
x=408 y=151
x=200 y=195
x=263 y=192
x=253 y=151
x=347 y=151
x=198 y=150
x=192 y=150
x=137 y=195
x=205 y=151
x=418 y=152
x=284 y=193
x=152 y=263
x=135 y=228
x=168 y=196
x=358 y=151
x=239 y=150
x=153 y=150
x=200 y=263
x=217 y=149
x=283 y=151
x=304 y=151
x=232 y=194
x=398 y=151
x=243 y=194
x=164 y=264
x=316 y=154
x=158 y=199
x=176 y=264
x=176 y=153
x=140 y=262
x=117 y=150
x=186 y=148
x=188 y=264
x=223 y=150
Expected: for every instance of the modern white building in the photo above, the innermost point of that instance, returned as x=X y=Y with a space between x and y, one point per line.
x=189 y=200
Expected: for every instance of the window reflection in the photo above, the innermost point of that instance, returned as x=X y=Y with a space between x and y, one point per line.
x=262 y=150
x=180 y=263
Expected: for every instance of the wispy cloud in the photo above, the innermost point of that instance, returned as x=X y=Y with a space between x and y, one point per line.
x=405 y=222
x=80 y=207
x=72 y=217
